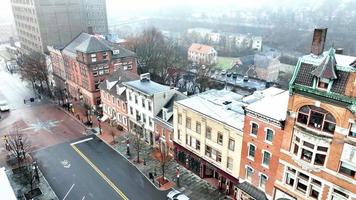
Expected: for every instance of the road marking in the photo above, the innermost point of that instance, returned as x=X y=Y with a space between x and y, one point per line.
x=81 y=141
x=111 y=184
x=70 y=189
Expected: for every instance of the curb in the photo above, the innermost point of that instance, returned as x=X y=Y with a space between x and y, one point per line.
x=132 y=164
x=44 y=178
x=72 y=116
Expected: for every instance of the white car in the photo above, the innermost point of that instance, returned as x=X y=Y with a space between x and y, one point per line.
x=4 y=106
x=176 y=195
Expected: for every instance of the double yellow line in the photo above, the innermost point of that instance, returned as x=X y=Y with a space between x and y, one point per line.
x=112 y=185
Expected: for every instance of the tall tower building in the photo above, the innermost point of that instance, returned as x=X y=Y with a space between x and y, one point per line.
x=40 y=23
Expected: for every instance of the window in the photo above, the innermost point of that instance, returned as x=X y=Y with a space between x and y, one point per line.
x=178 y=134
x=323 y=84
x=309 y=152
x=230 y=162
x=188 y=122
x=249 y=173
x=352 y=132
x=231 y=144
x=143 y=103
x=251 y=151
x=131 y=110
x=179 y=118
x=95 y=73
x=339 y=195
x=208 y=151
x=171 y=135
x=269 y=135
x=254 y=128
x=266 y=158
x=347 y=169
x=93 y=57
x=208 y=132
x=105 y=55
x=263 y=181
x=198 y=127
x=194 y=143
x=150 y=121
x=136 y=100
x=316 y=118
x=149 y=106
x=303 y=183
x=130 y=97
x=143 y=118
x=220 y=138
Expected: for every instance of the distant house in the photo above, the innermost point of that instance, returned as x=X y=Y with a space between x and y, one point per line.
x=258 y=66
x=256 y=43
x=202 y=54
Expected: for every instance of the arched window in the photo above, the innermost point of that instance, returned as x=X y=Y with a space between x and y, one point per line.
x=316 y=118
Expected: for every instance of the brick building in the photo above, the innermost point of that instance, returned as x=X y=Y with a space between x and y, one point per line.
x=262 y=138
x=89 y=60
x=58 y=67
x=318 y=159
x=164 y=124
x=113 y=97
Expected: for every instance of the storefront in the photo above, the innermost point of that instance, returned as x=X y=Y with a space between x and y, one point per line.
x=204 y=169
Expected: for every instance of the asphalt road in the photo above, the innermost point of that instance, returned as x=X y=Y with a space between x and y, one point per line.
x=93 y=170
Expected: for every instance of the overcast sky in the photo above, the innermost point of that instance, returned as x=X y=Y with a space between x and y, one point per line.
x=135 y=7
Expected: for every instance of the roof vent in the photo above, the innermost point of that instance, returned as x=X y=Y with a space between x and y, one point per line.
x=227 y=102
x=145 y=77
x=339 y=50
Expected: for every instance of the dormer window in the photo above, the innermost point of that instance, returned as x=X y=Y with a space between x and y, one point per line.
x=323 y=84
x=93 y=57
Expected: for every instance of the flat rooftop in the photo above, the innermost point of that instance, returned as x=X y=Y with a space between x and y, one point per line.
x=147 y=87
x=222 y=105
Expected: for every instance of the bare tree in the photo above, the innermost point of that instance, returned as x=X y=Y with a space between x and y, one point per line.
x=17 y=144
x=33 y=68
x=164 y=159
x=137 y=142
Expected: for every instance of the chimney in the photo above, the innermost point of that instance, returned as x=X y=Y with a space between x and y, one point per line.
x=339 y=50
x=318 y=42
x=145 y=77
x=90 y=30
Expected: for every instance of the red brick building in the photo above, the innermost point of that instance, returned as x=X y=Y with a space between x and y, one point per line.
x=164 y=124
x=113 y=97
x=58 y=67
x=89 y=60
x=318 y=152
x=262 y=138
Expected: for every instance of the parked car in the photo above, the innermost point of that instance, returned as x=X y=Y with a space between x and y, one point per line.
x=4 y=106
x=228 y=74
x=234 y=75
x=245 y=78
x=223 y=72
x=176 y=195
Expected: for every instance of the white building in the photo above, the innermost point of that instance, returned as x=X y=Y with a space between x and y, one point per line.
x=145 y=99
x=202 y=54
x=256 y=43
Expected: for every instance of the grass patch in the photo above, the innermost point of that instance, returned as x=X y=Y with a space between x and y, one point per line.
x=225 y=62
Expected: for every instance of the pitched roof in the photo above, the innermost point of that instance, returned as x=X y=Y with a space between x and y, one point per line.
x=147 y=87
x=116 y=79
x=69 y=49
x=169 y=105
x=201 y=48
x=327 y=68
x=93 y=44
x=251 y=190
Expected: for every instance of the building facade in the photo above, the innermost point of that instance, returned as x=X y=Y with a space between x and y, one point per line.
x=164 y=124
x=113 y=97
x=58 y=67
x=318 y=159
x=145 y=99
x=208 y=136
x=89 y=60
x=42 y=23
x=262 y=139
x=202 y=54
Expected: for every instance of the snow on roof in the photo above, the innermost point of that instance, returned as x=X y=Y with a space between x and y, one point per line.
x=6 y=191
x=274 y=106
x=222 y=105
x=147 y=86
x=341 y=60
x=257 y=95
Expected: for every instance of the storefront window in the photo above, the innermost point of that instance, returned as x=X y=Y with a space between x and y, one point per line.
x=316 y=118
